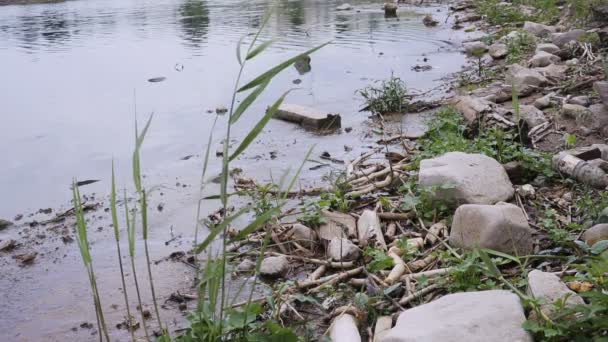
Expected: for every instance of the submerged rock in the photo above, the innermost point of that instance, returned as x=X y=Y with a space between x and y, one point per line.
x=344 y=7
x=274 y=266
x=429 y=21
x=548 y=289
x=483 y=316
x=6 y=245
x=5 y=224
x=390 y=8
x=307 y=117
x=596 y=234
x=463 y=178
x=340 y=249
x=542 y=59
x=502 y=227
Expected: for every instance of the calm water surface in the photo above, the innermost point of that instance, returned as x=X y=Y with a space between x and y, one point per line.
x=74 y=73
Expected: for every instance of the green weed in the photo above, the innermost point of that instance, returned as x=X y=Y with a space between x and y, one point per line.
x=389 y=97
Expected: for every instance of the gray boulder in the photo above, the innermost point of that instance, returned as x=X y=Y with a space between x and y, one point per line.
x=580 y=100
x=548 y=289
x=553 y=70
x=274 y=266
x=502 y=227
x=498 y=50
x=561 y=39
x=539 y=30
x=542 y=59
x=595 y=234
x=547 y=47
x=342 y=250
x=524 y=79
x=601 y=88
x=575 y=112
x=532 y=115
x=462 y=178
x=484 y=316
x=471 y=108
x=475 y=48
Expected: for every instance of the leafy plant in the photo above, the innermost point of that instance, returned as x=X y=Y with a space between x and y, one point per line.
x=389 y=97
x=380 y=261
x=519 y=46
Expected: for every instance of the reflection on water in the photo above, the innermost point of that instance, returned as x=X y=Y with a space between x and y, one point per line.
x=194 y=21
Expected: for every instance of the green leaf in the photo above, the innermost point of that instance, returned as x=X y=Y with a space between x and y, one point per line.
x=139 y=139
x=218 y=229
x=599 y=247
x=113 y=205
x=489 y=264
x=258 y=127
x=501 y=255
x=257 y=223
x=238 y=49
x=248 y=101
x=259 y=49
x=277 y=69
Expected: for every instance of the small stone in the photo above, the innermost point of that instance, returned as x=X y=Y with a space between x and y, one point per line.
x=471 y=28
x=547 y=47
x=576 y=112
x=471 y=108
x=542 y=59
x=548 y=289
x=303 y=235
x=344 y=7
x=246 y=265
x=429 y=21
x=595 y=234
x=527 y=191
x=390 y=8
x=580 y=100
x=368 y=226
x=498 y=51
x=340 y=249
x=26 y=258
x=221 y=110
x=553 y=70
x=4 y=224
x=544 y=102
x=183 y=306
x=502 y=227
x=572 y=62
x=274 y=266
x=6 y=245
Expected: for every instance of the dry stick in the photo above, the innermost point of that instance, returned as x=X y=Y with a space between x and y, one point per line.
x=342 y=264
x=374 y=186
x=400 y=267
x=317 y=273
x=406 y=299
x=367 y=178
x=340 y=277
x=428 y=274
x=396 y=216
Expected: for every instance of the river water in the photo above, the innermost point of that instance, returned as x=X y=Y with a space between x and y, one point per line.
x=74 y=74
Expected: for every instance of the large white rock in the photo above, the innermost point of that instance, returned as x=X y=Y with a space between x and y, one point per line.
x=469 y=178
x=485 y=316
x=548 y=289
x=344 y=329
x=502 y=227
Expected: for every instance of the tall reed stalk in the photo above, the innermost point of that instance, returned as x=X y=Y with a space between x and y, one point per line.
x=85 y=252
x=118 y=251
x=131 y=236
